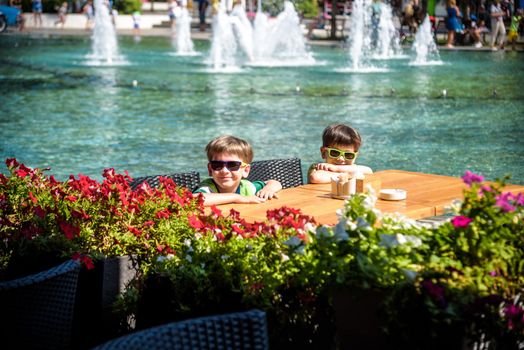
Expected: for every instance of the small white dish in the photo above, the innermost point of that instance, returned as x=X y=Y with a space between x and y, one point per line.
x=393 y=194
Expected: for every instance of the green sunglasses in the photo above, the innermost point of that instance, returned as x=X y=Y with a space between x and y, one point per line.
x=336 y=153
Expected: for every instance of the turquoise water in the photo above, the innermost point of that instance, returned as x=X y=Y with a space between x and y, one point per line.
x=58 y=112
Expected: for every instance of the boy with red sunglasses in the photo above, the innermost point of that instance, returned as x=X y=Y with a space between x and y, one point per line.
x=228 y=166
x=340 y=145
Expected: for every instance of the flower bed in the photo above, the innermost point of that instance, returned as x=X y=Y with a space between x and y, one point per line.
x=464 y=277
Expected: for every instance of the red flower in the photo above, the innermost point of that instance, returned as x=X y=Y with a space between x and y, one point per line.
x=80 y=214
x=108 y=173
x=40 y=212
x=163 y=214
x=69 y=230
x=72 y=199
x=217 y=212
x=195 y=222
x=21 y=173
x=33 y=198
x=84 y=259
x=11 y=163
x=134 y=230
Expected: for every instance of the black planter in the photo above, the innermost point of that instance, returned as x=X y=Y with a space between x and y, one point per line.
x=158 y=302
x=359 y=318
x=98 y=289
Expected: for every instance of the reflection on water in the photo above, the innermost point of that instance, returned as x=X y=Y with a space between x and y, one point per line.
x=57 y=112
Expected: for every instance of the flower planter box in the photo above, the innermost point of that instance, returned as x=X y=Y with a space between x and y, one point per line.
x=95 y=321
x=358 y=318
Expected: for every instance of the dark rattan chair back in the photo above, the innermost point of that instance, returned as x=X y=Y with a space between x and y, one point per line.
x=189 y=180
x=36 y=311
x=240 y=330
x=287 y=171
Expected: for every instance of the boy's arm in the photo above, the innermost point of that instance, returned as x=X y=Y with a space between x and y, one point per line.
x=323 y=172
x=270 y=189
x=227 y=198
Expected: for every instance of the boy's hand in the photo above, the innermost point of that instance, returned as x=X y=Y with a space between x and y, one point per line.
x=270 y=190
x=327 y=167
x=250 y=200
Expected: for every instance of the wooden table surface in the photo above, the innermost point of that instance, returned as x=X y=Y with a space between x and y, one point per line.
x=427 y=195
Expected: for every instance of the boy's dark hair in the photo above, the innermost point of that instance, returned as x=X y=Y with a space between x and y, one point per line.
x=232 y=145
x=342 y=135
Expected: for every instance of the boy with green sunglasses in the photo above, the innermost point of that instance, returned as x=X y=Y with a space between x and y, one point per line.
x=228 y=166
x=340 y=145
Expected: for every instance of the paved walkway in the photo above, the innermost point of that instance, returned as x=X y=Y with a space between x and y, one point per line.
x=151 y=26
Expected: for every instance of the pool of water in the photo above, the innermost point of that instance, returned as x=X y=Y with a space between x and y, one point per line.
x=56 y=111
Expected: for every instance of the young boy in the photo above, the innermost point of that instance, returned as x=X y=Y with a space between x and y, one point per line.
x=228 y=166
x=340 y=144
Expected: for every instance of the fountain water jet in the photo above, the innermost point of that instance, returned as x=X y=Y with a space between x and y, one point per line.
x=182 y=41
x=104 y=43
x=426 y=51
x=372 y=35
x=267 y=42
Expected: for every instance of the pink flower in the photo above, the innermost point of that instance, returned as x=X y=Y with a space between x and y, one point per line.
x=470 y=178
x=515 y=315
x=503 y=201
x=461 y=221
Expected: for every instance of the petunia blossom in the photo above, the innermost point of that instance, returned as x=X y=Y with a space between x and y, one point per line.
x=461 y=221
x=470 y=178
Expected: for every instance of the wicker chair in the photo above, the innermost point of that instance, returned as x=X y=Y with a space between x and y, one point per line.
x=287 y=171
x=189 y=180
x=36 y=311
x=240 y=330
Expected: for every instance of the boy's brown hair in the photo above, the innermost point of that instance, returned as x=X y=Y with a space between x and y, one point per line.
x=232 y=145
x=342 y=135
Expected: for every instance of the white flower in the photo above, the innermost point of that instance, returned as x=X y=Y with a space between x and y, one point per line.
x=415 y=241
x=224 y=257
x=309 y=227
x=388 y=240
x=293 y=241
x=187 y=242
x=363 y=225
x=340 y=232
x=284 y=257
x=189 y=258
x=410 y=274
x=350 y=225
x=368 y=203
x=324 y=232
x=163 y=258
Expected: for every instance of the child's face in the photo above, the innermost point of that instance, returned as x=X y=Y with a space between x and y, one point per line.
x=227 y=179
x=339 y=154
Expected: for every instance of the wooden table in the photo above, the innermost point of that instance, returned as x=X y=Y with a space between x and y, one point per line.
x=427 y=195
